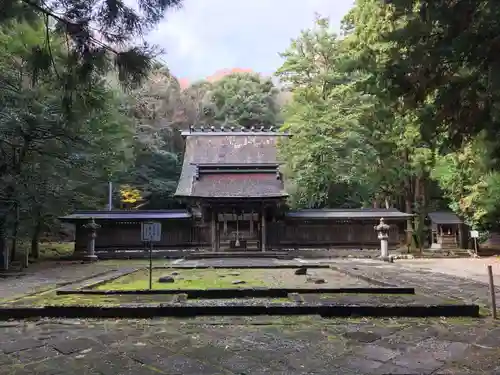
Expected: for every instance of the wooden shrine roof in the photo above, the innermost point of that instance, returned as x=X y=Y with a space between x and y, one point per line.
x=240 y=149
x=127 y=215
x=444 y=217
x=348 y=213
x=238 y=185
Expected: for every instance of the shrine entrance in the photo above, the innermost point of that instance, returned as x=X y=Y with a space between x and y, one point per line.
x=239 y=226
x=239 y=231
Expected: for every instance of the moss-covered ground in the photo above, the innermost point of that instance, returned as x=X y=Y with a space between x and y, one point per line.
x=211 y=278
x=48 y=250
x=53 y=299
x=193 y=279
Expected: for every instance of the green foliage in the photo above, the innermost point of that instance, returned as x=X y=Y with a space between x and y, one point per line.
x=91 y=30
x=397 y=112
x=156 y=109
x=242 y=99
x=469 y=181
x=445 y=51
x=341 y=141
x=53 y=163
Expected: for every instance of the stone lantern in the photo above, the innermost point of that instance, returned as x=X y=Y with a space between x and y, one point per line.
x=92 y=226
x=383 y=235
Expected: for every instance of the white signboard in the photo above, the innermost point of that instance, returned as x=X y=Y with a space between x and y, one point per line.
x=151 y=232
x=474 y=234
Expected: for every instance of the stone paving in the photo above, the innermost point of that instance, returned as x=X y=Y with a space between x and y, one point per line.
x=471 y=268
x=262 y=345
x=259 y=345
x=50 y=276
x=425 y=281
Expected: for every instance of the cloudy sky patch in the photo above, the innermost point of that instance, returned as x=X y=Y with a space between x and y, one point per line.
x=209 y=35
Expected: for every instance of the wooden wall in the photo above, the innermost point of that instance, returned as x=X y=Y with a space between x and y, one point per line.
x=185 y=234
x=303 y=233
x=127 y=236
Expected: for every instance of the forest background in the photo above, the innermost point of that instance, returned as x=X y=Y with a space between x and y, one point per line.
x=399 y=110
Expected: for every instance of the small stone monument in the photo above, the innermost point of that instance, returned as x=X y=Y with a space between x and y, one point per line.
x=92 y=226
x=383 y=235
x=166 y=279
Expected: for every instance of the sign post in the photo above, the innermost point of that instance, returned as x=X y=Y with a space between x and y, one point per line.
x=492 y=293
x=474 y=234
x=150 y=232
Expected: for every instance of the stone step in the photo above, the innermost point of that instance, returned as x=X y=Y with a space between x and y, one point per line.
x=240 y=254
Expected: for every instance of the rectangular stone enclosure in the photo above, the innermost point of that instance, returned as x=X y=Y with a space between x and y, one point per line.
x=222 y=278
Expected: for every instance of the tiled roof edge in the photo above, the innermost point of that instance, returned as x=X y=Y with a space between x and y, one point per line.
x=223 y=130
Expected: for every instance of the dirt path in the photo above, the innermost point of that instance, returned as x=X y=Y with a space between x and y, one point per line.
x=469 y=268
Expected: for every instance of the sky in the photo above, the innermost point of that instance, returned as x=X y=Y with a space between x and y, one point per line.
x=206 y=36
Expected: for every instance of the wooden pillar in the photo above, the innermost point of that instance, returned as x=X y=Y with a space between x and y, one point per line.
x=350 y=232
x=213 y=227
x=263 y=229
x=251 y=223
x=4 y=249
x=217 y=232
x=462 y=242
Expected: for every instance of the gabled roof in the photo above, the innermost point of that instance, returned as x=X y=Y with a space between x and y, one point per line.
x=238 y=185
x=444 y=217
x=229 y=150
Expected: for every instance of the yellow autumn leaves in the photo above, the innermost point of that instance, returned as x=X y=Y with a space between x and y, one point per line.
x=130 y=195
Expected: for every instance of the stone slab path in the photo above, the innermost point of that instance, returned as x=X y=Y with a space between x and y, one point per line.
x=471 y=268
x=259 y=345
x=263 y=345
x=425 y=281
x=50 y=275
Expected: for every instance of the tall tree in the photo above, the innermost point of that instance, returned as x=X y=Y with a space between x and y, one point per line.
x=449 y=59
x=50 y=162
x=331 y=148
x=242 y=99
x=157 y=110
x=97 y=34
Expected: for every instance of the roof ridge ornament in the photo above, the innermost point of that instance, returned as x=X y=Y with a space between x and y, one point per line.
x=224 y=129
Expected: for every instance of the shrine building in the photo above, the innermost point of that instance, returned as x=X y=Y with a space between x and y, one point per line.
x=236 y=199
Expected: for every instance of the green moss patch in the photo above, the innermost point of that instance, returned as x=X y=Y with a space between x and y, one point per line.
x=47 y=250
x=225 y=278
x=189 y=279
x=53 y=299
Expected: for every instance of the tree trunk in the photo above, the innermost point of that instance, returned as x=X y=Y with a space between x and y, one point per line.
x=13 y=249
x=2 y=242
x=419 y=211
x=35 y=239
x=408 y=194
x=423 y=209
x=35 y=235
x=409 y=210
